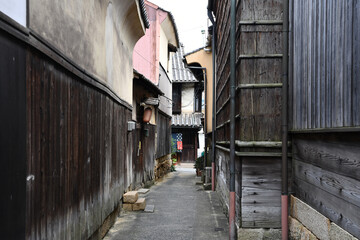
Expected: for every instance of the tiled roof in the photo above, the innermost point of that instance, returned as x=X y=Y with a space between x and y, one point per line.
x=180 y=73
x=175 y=27
x=144 y=14
x=192 y=120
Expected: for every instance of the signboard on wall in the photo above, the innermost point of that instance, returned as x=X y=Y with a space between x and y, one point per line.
x=179 y=145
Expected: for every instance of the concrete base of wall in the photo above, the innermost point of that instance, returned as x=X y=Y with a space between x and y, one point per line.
x=223 y=192
x=107 y=224
x=259 y=234
x=307 y=223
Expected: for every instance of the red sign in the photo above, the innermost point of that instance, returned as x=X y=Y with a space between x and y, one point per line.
x=179 y=145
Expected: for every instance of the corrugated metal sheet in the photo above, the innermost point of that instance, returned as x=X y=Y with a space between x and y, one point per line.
x=180 y=73
x=187 y=120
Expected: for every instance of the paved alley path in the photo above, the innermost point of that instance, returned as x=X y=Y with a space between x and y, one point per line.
x=183 y=210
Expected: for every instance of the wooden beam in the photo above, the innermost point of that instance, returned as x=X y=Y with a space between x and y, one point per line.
x=259 y=85
x=252 y=154
x=261 y=22
x=266 y=144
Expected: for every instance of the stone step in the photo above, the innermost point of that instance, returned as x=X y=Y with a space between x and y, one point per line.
x=128 y=206
x=143 y=190
x=140 y=204
x=130 y=197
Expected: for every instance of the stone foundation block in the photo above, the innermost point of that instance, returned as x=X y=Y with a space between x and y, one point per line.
x=128 y=206
x=259 y=234
x=317 y=223
x=140 y=204
x=249 y=234
x=130 y=197
x=298 y=231
x=337 y=233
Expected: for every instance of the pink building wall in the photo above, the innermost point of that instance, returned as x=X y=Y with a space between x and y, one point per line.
x=147 y=50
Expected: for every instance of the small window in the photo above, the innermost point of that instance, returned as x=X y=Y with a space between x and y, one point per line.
x=176 y=99
x=198 y=97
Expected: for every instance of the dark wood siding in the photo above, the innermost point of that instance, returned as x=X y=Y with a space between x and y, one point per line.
x=76 y=151
x=326 y=176
x=326 y=72
x=143 y=154
x=163 y=128
x=258 y=106
x=64 y=146
x=325 y=107
x=176 y=98
x=12 y=137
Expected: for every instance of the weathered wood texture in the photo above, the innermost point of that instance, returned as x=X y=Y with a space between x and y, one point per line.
x=77 y=141
x=163 y=129
x=258 y=107
x=261 y=192
x=12 y=137
x=65 y=148
x=149 y=152
x=324 y=94
x=326 y=73
x=326 y=175
x=190 y=144
x=143 y=155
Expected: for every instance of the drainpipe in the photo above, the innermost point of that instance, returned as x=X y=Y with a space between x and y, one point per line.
x=284 y=123
x=213 y=103
x=232 y=227
x=205 y=120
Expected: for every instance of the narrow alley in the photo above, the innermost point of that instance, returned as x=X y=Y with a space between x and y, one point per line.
x=101 y=99
x=182 y=210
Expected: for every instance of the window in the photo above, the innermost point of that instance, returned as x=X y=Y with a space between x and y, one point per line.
x=197 y=97
x=176 y=98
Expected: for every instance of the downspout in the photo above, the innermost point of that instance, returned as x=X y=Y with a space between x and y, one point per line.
x=232 y=227
x=213 y=102
x=284 y=123
x=205 y=124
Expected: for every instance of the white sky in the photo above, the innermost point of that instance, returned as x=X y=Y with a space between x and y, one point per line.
x=190 y=18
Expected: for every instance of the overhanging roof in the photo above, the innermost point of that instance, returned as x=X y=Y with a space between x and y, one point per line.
x=180 y=73
x=142 y=80
x=187 y=120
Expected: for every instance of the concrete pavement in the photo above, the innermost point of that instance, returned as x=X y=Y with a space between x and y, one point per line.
x=182 y=210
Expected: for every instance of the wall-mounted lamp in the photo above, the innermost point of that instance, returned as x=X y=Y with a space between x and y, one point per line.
x=147 y=115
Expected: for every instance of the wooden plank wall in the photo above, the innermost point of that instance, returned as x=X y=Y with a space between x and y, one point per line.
x=326 y=72
x=65 y=150
x=325 y=95
x=77 y=146
x=149 y=153
x=12 y=137
x=163 y=129
x=326 y=175
x=258 y=109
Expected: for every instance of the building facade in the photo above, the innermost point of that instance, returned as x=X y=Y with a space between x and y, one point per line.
x=66 y=84
x=186 y=109
x=317 y=71
x=152 y=59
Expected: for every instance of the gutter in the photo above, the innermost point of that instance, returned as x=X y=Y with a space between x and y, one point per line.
x=213 y=102
x=284 y=124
